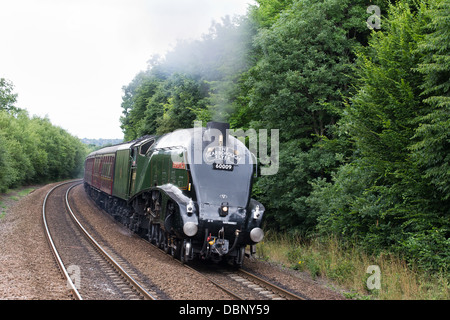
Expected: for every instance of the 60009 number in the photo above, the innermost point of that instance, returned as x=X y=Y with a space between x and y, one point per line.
x=222 y=166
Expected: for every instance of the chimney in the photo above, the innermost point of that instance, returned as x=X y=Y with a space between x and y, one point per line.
x=222 y=127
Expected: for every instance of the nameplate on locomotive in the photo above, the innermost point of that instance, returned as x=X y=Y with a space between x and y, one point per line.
x=222 y=154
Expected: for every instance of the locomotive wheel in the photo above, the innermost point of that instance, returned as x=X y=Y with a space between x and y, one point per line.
x=182 y=250
x=162 y=239
x=151 y=232
x=176 y=249
x=166 y=243
x=155 y=234
x=172 y=248
x=239 y=260
x=158 y=235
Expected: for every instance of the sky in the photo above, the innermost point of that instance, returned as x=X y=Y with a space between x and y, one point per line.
x=69 y=59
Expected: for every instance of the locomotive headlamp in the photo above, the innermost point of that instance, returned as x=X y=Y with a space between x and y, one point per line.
x=190 y=207
x=256 y=213
x=190 y=229
x=257 y=234
x=223 y=211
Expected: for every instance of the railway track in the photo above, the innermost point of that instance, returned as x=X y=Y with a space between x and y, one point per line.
x=241 y=279
x=244 y=285
x=264 y=287
x=67 y=238
x=238 y=284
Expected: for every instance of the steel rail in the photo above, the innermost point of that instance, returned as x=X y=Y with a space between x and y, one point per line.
x=255 y=279
x=214 y=282
x=58 y=259
x=270 y=286
x=217 y=284
x=147 y=295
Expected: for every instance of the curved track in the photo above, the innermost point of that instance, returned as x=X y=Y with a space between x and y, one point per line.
x=244 y=285
x=241 y=281
x=264 y=287
x=72 y=245
x=73 y=289
x=65 y=240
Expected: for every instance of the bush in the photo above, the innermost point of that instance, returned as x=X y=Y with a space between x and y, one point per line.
x=34 y=151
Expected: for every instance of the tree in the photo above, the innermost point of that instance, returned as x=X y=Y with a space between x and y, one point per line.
x=267 y=12
x=433 y=134
x=35 y=151
x=134 y=104
x=187 y=97
x=7 y=97
x=298 y=85
x=382 y=198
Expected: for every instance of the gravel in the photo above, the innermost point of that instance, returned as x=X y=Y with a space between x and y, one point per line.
x=176 y=281
x=27 y=267
x=28 y=270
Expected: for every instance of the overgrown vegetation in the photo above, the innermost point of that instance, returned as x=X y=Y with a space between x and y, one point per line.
x=345 y=268
x=363 y=116
x=32 y=150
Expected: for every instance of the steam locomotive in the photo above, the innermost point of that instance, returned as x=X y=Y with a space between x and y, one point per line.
x=188 y=191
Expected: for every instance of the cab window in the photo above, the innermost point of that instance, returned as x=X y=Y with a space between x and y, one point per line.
x=145 y=147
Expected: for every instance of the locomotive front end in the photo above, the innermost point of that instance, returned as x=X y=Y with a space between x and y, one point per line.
x=222 y=171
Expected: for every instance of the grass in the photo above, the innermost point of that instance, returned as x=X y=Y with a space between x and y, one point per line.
x=3 y=209
x=25 y=192
x=347 y=268
x=15 y=195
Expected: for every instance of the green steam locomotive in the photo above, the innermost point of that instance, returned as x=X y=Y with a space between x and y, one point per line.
x=188 y=191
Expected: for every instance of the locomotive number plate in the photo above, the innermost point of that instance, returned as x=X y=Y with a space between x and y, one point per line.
x=223 y=166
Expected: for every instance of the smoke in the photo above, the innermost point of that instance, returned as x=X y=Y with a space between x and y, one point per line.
x=217 y=59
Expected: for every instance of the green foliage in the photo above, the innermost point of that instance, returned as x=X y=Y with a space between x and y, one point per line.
x=433 y=134
x=285 y=194
x=391 y=196
x=7 y=97
x=298 y=85
x=157 y=106
x=195 y=81
x=7 y=174
x=134 y=104
x=363 y=115
x=32 y=150
x=186 y=99
x=268 y=11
